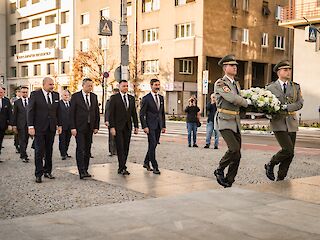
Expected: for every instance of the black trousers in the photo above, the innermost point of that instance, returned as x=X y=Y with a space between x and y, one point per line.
x=43 y=143
x=16 y=140
x=112 y=144
x=284 y=157
x=83 y=149
x=232 y=157
x=122 y=142
x=64 y=141
x=23 y=141
x=153 y=140
x=1 y=138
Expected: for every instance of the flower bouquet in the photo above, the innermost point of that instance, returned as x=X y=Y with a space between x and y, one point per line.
x=263 y=101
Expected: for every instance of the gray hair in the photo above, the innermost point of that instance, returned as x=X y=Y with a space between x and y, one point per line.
x=86 y=80
x=46 y=79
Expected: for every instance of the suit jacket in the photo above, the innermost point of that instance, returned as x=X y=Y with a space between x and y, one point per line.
x=288 y=120
x=64 y=114
x=20 y=115
x=228 y=98
x=119 y=115
x=42 y=115
x=150 y=115
x=107 y=111
x=5 y=114
x=79 y=112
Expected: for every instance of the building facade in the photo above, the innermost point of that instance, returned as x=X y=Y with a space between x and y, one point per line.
x=3 y=45
x=306 y=58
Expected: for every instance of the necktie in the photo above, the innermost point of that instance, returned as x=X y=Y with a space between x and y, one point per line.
x=284 y=88
x=87 y=101
x=25 y=102
x=48 y=99
x=157 y=101
x=67 y=105
x=235 y=85
x=125 y=101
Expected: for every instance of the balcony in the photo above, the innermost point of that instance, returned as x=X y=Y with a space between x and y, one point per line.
x=43 y=30
x=293 y=16
x=32 y=9
x=35 y=55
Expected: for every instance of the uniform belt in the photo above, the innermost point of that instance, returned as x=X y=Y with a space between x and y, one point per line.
x=226 y=111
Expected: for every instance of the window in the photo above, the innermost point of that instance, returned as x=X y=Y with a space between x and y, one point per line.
x=24 y=71
x=278 y=12
x=13 y=71
x=104 y=43
x=245 y=6
x=105 y=13
x=279 y=42
x=150 y=35
x=185 y=66
x=24 y=47
x=24 y=25
x=234 y=4
x=23 y=3
x=265 y=8
x=150 y=5
x=50 y=19
x=184 y=30
x=37 y=70
x=13 y=28
x=182 y=2
x=234 y=34
x=245 y=36
x=36 y=45
x=65 y=17
x=64 y=42
x=36 y=22
x=13 y=50
x=150 y=67
x=84 y=45
x=50 y=43
x=264 y=40
x=35 y=1
x=129 y=9
x=13 y=7
x=65 y=67
x=50 y=68
x=84 y=19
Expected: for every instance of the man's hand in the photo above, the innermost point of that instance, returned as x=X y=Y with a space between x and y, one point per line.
x=136 y=130
x=31 y=131
x=163 y=130
x=146 y=130
x=95 y=131
x=10 y=128
x=15 y=130
x=74 y=132
x=113 y=131
x=249 y=101
x=106 y=123
x=59 y=130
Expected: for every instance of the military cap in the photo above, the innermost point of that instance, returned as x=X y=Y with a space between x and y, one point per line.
x=228 y=60
x=281 y=65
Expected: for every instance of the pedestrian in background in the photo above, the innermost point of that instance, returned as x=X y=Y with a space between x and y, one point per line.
x=193 y=115
x=211 y=111
x=5 y=115
x=16 y=137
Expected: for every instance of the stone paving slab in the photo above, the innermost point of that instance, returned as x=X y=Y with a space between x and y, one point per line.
x=140 y=180
x=215 y=214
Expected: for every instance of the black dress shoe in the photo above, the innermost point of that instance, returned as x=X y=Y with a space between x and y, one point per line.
x=125 y=172
x=81 y=175
x=280 y=179
x=269 y=171
x=49 y=175
x=119 y=171
x=207 y=146
x=215 y=147
x=63 y=157
x=38 y=180
x=220 y=178
x=68 y=156
x=86 y=174
x=147 y=167
x=156 y=171
x=25 y=160
x=195 y=145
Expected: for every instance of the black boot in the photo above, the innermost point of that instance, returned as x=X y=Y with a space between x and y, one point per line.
x=269 y=171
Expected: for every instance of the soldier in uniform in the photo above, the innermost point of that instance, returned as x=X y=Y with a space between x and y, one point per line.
x=228 y=100
x=285 y=123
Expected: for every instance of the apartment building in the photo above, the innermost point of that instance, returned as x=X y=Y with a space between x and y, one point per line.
x=3 y=57
x=306 y=57
x=40 y=37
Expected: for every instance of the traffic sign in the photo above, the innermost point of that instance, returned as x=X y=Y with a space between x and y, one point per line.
x=105 y=27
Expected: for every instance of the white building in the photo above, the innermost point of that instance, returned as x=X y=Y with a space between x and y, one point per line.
x=3 y=41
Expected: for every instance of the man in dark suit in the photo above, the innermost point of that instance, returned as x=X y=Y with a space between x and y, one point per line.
x=5 y=115
x=16 y=137
x=112 y=141
x=85 y=120
x=122 y=114
x=152 y=118
x=43 y=121
x=64 y=113
x=20 y=126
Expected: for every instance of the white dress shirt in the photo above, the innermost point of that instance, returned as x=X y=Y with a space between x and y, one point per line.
x=156 y=99
x=282 y=82
x=84 y=97
x=45 y=93
x=127 y=98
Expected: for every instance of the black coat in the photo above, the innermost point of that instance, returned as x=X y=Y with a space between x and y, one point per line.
x=5 y=114
x=42 y=115
x=64 y=114
x=119 y=115
x=19 y=115
x=150 y=115
x=79 y=112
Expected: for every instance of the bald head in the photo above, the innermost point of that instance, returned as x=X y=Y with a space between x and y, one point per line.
x=48 y=84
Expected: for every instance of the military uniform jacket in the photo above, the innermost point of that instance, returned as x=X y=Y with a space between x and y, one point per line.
x=228 y=98
x=286 y=121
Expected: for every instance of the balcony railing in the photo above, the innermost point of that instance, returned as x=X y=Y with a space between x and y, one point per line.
x=301 y=11
x=42 y=30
